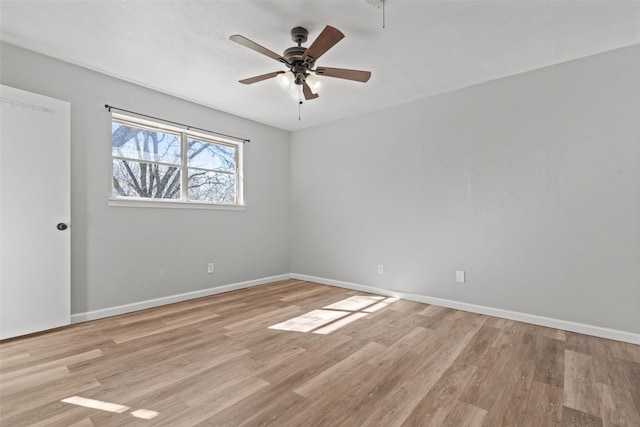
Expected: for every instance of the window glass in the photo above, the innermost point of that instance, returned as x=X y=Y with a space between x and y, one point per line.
x=208 y=186
x=144 y=144
x=207 y=155
x=148 y=162
x=147 y=180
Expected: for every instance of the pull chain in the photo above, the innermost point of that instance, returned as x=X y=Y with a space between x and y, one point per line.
x=384 y=14
x=381 y=4
x=299 y=108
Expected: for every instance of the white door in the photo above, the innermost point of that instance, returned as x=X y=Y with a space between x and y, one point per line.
x=34 y=204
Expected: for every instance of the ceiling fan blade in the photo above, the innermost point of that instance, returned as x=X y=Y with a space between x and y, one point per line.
x=325 y=41
x=260 y=78
x=255 y=46
x=308 y=95
x=343 y=73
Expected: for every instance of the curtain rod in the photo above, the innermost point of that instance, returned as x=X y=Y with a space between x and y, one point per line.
x=111 y=107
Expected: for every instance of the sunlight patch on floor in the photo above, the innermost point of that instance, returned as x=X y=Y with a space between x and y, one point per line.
x=355 y=303
x=109 y=407
x=96 y=404
x=310 y=321
x=336 y=315
x=144 y=414
x=339 y=323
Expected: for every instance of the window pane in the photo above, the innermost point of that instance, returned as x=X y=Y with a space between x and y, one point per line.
x=206 y=186
x=207 y=155
x=138 y=179
x=144 y=144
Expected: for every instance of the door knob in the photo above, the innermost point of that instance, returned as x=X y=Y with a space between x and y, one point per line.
x=61 y=226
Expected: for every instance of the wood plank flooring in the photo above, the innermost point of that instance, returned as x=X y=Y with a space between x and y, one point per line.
x=215 y=361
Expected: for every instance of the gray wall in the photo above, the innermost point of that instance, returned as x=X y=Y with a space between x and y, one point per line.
x=126 y=255
x=531 y=184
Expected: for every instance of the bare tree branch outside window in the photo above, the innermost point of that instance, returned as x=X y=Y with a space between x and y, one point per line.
x=148 y=163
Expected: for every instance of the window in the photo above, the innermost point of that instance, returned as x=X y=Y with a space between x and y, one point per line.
x=156 y=163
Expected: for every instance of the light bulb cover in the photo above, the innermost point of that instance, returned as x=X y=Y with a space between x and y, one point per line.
x=285 y=79
x=315 y=84
x=296 y=92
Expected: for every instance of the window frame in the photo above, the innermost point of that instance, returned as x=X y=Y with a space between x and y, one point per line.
x=184 y=135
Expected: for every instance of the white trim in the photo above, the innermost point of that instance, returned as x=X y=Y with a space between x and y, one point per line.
x=128 y=308
x=172 y=204
x=184 y=134
x=581 y=328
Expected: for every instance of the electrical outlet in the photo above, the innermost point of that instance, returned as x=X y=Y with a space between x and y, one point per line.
x=210 y=268
x=460 y=276
x=380 y=268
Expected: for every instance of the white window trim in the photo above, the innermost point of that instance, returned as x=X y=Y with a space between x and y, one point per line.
x=171 y=204
x=184 y=203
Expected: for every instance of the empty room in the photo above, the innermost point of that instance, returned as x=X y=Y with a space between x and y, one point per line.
x=319 y=213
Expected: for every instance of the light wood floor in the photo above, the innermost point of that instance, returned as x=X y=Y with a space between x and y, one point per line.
x=213 y=361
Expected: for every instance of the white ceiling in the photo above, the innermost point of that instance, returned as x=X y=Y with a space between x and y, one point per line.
x=428 y=47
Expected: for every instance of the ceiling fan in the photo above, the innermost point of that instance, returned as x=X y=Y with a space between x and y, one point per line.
x=301 y=78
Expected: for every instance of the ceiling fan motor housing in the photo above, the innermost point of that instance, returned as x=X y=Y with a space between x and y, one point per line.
x=294 y=55
x=299 y=35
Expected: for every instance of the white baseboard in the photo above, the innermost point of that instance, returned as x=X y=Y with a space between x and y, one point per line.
x=565 y=325
x=128 y=308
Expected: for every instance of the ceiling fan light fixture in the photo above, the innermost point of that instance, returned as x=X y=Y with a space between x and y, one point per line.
x=315 y=84
x=285 y=79
x=295 y=91
x=301 y=78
